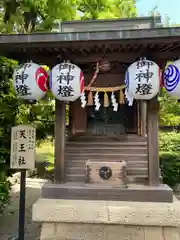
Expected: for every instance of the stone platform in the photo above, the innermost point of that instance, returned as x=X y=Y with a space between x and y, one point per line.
x=82 y=191
x=107 y=220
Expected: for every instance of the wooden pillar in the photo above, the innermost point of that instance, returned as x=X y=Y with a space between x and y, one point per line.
x=143 y=105
x=78 y=118
x=139 y=118
x=60 y=137
x=153 y=149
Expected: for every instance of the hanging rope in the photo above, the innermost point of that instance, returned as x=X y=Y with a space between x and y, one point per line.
x=95 y=75
x=106 y=90
x=102 y=89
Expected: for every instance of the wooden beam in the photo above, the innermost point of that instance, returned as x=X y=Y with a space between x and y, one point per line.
x=120 y=57
x=60 y=131
x=153 y=150
x=76 y=58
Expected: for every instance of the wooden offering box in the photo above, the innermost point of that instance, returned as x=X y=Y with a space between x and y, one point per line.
x=106 y=173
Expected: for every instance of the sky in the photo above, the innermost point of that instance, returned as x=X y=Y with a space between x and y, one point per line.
x=170 y=7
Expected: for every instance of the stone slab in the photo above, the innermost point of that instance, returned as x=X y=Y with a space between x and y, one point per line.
x=81 y=191
x=107 y=212
x=73 y=231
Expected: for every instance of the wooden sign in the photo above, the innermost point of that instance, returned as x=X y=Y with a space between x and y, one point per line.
x=23 y=141
x=108 y=173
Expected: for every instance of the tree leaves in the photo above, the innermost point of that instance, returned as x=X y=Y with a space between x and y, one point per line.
x=25 y=16
x=99 y=9
x=169 y=114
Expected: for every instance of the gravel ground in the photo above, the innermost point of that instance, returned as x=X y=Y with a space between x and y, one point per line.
x=9 y=220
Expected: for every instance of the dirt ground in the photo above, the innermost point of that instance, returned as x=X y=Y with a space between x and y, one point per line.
x=9 y=220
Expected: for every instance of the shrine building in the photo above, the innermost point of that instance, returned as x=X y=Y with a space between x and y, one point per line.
x=109 y=151
x=129 y=134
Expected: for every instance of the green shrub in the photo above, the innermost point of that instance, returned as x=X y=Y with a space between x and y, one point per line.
x=4 y=191
x=169 y=142
x=169 y=147
x=9 y=104
x=170 y=167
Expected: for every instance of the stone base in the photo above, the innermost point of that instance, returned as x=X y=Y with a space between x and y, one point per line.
x=107 y=220
x=82 y=191
x=100 y=232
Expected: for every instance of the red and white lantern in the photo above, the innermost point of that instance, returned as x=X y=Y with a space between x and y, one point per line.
x=30 y=81
x=66 y=82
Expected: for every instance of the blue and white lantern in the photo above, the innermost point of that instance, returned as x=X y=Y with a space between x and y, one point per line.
x=171 y=79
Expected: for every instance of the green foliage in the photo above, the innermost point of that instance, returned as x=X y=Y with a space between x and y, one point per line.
x=106 y=9
x=41 y=115
x=26 y=16
x=9 y=105
x=44 y=113
x=169 y=146
x=169 y=110
x=4 y=190
x=170 y=167
x=123 y=8
x=45 y=158
x=169 y=142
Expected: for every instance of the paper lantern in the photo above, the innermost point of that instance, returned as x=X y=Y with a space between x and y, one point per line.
x=30 y=81
x=172 y=79
x=66 y=82
x=142 y=80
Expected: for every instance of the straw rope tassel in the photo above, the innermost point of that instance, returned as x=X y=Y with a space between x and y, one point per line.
x=90 y=99
x=121 y=97
x=106 y=100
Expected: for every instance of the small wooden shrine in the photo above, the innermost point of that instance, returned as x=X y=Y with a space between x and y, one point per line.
x=109 y=153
